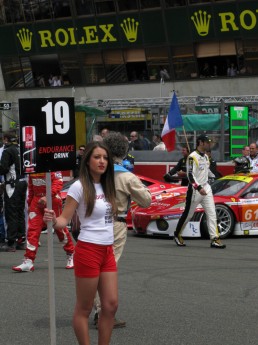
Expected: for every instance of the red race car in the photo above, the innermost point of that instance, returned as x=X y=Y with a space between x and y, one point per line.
x=236 y=201
x=155 y=187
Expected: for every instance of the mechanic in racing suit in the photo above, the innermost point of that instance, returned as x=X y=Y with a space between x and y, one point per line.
x=180 y=169
x=36 y=204
x=199 y=192
x=128 y=187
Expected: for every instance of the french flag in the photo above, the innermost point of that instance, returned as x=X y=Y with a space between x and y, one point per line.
x=173 y=120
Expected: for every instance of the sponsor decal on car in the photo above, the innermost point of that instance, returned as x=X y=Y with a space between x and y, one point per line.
x=246 y=225
x=192 y=229
x=254 y=225
x=172 y=216
x=248 y=201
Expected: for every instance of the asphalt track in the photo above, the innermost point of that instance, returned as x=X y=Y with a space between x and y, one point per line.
x=168 y=295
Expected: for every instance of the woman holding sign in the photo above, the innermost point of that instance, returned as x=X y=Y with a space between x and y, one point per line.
x=93 y=198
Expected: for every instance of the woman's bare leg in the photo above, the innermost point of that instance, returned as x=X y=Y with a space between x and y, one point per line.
x=108 y=293
x=85 y=292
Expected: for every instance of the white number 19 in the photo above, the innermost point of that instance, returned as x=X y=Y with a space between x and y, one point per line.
x=61 y=117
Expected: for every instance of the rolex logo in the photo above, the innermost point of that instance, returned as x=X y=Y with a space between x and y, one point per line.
x=130 y=27
x=202 y=22
x=25 y=38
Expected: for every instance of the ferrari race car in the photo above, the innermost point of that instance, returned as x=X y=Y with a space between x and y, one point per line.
x=156 y=187
x=236 y=201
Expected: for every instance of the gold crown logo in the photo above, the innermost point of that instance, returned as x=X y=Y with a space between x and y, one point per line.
x=202 y=22
x=130 y=27
x=25 y=38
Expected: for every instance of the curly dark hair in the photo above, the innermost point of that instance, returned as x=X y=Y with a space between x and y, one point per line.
x=117 y=144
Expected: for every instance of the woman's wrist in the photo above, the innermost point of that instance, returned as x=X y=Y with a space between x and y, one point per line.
x=54 y=223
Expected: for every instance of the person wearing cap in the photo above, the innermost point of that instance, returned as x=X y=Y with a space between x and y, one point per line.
x=199 y=192
x=14 y=194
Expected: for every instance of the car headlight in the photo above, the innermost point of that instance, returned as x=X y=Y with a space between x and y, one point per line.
x=162 y=224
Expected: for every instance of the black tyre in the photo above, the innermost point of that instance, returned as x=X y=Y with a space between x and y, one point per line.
x=201 y=217
x=225 y=218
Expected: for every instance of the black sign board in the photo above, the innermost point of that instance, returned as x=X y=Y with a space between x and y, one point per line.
x=47 y=134
x=5 y=106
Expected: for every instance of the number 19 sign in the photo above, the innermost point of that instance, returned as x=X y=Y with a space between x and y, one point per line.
x=47 y=134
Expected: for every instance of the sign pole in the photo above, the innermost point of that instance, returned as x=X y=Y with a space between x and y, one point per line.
x=51 y=277
x=48 y=145
x=222 y=130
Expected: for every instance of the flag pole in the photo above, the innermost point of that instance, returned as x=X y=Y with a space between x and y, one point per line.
x=187 y=143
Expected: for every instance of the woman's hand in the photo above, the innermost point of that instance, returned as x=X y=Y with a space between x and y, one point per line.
x=49 y=216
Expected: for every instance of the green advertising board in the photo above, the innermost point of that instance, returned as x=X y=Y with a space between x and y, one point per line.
x=174 y=26
x=238 y=129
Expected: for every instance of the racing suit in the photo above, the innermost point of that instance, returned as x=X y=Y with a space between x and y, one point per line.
x=128 y=187
x=36 y=204
x=198 y=173
x=14 y=193
x=181 y=166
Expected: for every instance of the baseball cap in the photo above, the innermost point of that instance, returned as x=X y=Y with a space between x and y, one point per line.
x=203 y=138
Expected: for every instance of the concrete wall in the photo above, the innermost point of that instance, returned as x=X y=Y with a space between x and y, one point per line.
x=201 y=87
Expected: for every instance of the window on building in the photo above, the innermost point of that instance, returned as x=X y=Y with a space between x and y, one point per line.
x=127 y=5
x=40 y=9
x=250 y=56
x=184 y=65
x=84 y=7
x=158 y=63
x=115 y=66
x=145 y=4
x=94 y=68
x=217 y=59
x=61 y=8
x=17 y=11
x=136 y=66
x=198 y=1
x=28 y=76
x=32 y=10
x=45 y=69
x=70 y=69
x=12 y=73
x=175 y=3
x=106 y=6
x=5 y=13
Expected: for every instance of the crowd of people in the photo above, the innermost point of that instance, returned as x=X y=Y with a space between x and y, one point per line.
x=101 y=194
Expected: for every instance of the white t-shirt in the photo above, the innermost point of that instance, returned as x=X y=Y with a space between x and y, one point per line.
x=98 y=228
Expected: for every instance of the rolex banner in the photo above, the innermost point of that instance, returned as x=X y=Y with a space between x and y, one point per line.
x=180 y=25
x=47 y=134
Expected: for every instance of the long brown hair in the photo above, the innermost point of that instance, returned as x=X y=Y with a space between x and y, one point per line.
x=106 y=180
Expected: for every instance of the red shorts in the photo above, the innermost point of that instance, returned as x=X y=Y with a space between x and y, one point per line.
x=91 y=259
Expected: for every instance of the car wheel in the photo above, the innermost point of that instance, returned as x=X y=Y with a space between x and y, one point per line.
x=225 y=218
x=226 y=221
x=201 y=217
